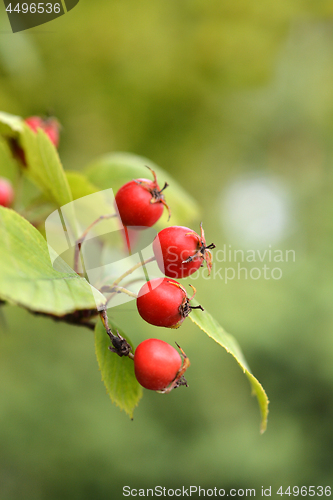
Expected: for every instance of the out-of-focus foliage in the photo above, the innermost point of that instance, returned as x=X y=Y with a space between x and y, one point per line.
x=222 y=95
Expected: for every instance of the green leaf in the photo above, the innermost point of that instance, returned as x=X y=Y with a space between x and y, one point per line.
x=8 y=166
x=27 y=277
x=115 y=169
x=44 y=166
x=10 y=125
x=117 y=372
x=210 y=326
x=79 y=185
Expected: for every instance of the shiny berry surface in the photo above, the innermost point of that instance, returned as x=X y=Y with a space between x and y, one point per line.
x=156 y=364
x=135 y=203
x=173 y=246
x=162 y=302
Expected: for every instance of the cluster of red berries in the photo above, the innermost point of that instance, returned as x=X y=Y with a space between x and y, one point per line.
x=179 y=252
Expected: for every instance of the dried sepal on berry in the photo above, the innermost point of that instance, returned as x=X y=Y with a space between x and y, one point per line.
x=185 y=307
x=180 y=251
x=155 y=191
x=179 y=380
x=140 y=202
x=203 y=251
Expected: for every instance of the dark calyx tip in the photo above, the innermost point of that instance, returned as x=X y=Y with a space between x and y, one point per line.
x=197 y=307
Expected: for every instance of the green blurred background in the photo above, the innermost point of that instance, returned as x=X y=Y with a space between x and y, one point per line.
x=235 y=100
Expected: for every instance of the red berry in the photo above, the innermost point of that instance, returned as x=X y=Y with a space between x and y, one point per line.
x=140 y=202
x=6 y=192
x=179 y=251
x=164 y=302
x=156 y=364
x=34 y=122
x=49 y=125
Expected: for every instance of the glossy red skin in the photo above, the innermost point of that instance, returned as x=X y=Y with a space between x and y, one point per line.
x=133 y=202
x=50 y=127
x=6 y=192
x=159 y=306
x=171 y=247
x=156 y=364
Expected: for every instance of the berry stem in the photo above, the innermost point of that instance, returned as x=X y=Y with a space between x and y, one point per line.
x=132 y=269
x=83 y=237
x=117 y=289
x=115 y=284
